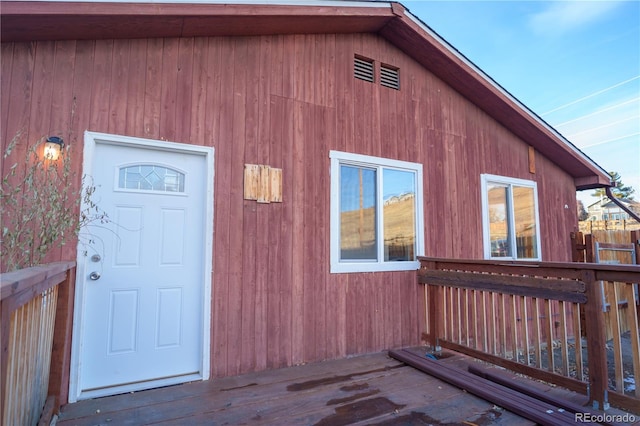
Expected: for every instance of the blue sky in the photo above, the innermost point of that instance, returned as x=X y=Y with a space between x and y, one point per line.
x=574 y=63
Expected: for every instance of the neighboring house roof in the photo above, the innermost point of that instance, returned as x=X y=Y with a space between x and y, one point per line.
x=46 y=20
x=606 y=203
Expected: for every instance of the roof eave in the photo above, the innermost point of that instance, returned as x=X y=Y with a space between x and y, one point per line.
x=591 y=182
x=32 y=21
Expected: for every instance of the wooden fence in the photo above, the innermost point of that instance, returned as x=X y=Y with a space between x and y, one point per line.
x=589 y=226
x=610 y=247
x=583 y=246
x=503 y=312
x=36 y=310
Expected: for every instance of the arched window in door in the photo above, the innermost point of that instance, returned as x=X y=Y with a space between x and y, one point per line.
x=151 y=177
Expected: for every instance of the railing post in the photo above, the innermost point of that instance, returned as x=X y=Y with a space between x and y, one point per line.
x=61 y=348
x=596 y=343
x=433 y=307
x=635 y=240
x=5 y=327
x=588 y=254
x=576 y=241
x=435 y=311
x=435 y=315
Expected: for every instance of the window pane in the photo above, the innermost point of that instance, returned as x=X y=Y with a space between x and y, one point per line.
x=398 y=194
x=525 y=222
x=357 y=213
x=498 y=220
x=151 y=178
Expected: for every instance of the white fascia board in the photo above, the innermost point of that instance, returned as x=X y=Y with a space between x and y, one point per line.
x=332 y=3
x=494 y=84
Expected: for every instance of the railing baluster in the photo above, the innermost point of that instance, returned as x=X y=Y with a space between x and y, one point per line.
x=475 y=320
x=31 y=378
x=577 y=332
x=514 y=326
x=485 y=322
x=564 y=350
x=536 y=332
x=470 y=321
x=448 y=317
x=548 y=327
x=611 y=294
x=503 y=326
x=494 y=324
x=459 y=315
x=23 y=348
x=525 y=329
x=12 y=387
x=447 y=314
x=464 y=317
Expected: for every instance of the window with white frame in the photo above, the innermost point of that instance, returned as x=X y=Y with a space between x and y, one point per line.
x=510 y=218
x=376 y=214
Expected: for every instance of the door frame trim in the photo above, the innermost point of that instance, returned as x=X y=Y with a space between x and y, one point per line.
x=90 y=141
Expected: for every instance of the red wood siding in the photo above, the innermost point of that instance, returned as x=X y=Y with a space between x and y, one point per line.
x=285 y=101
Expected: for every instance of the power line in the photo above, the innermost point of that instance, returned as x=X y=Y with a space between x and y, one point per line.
x=598 y=111
x=610 y=140
x=613 y=123
x=592 y=95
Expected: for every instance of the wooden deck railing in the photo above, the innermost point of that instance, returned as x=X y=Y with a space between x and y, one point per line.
x=35 y=305
x=545 y=320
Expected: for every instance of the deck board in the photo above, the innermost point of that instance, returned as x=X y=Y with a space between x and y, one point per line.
x=369 y=389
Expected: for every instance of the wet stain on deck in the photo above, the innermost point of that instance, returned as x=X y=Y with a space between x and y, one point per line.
x=359 y=411
x=336 y=379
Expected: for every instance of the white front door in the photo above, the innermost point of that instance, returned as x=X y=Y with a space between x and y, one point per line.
x=144 y=276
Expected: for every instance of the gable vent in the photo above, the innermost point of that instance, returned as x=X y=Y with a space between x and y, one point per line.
x=363 y=69
x=390 y=77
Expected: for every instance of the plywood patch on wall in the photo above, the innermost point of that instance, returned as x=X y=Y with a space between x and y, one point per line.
x=532 y=160
x=275 y=176
x=262 y=183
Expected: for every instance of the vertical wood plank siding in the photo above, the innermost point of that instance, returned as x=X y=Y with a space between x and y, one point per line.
x=285 y=101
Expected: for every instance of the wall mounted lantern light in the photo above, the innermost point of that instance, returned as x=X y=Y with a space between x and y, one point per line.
x=53 y=147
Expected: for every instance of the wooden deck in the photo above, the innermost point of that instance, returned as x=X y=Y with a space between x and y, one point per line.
x=370 y=389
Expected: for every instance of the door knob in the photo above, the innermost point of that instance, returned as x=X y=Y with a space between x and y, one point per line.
x=94 y=276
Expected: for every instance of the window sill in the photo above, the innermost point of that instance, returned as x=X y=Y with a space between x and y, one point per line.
x=514 y=259
x=364 y=267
